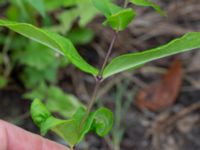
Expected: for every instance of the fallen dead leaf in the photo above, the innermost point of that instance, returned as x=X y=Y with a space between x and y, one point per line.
x=162 y=94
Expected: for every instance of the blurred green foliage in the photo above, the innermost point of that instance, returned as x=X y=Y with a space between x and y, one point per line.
x=38 y=64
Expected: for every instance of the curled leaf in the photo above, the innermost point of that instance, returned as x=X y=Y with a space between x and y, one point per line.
x=103 y=121
x=162 y=94
x=39 y=112
x=72 y=130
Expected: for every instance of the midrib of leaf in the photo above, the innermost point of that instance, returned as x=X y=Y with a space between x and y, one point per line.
x=141 y=58
x=13 y=25
x=51 y=40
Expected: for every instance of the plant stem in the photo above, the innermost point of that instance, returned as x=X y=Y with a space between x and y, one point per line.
x=99 y=78
x=126 y=3
x=71 y=148
x=90 y=105
x=94 y=95
x=107 y=55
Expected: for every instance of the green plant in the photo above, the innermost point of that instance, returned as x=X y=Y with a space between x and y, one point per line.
x=23 y=54
x=38 y=64
x=84 y=120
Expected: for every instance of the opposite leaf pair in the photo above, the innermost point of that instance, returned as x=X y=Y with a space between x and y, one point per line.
x=72 y=130
x=119 y=64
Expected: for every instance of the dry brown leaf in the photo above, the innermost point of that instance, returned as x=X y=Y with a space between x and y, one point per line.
x=164 y=93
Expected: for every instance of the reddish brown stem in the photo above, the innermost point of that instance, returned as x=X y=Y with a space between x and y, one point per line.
x=99 y=80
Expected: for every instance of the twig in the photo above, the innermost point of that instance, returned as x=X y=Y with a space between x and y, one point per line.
x=107 y=56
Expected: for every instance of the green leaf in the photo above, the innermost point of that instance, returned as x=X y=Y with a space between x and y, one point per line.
x=185 y=43
x=149 y=3
x=53 y=5
x=38 y=5
x=66 y=129
x=39 y=112
x=62 y=103
x=32 y=76
x=100 y=121
x=37 y=56
x=120 y=20
x=86 y=12
x=103 y=121
x=106 y=7
x=81 y=36
x=116 y=17
x=20 y=4
x=51 y=40
x=82 y=10
x=39 y=92
x=65 y=24
x=3 y=81
x=72 y=130
x=56 y=100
